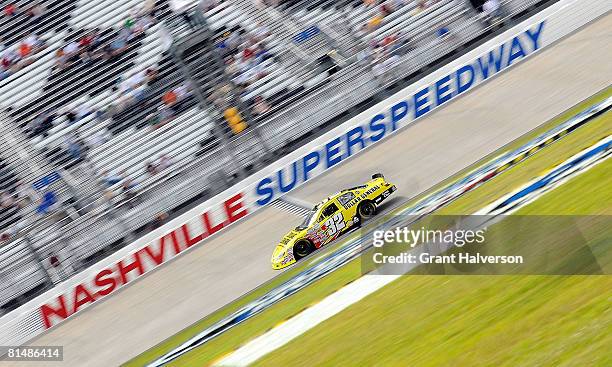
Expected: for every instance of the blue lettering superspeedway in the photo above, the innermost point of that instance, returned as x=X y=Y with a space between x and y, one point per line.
x=400 y=114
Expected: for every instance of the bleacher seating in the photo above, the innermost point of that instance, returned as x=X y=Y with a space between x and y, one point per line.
x=126 y=134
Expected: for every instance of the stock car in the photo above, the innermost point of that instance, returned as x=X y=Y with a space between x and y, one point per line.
x=330 y=218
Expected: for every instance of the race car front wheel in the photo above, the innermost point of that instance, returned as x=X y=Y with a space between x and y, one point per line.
x=302 y=248
x=367 y=209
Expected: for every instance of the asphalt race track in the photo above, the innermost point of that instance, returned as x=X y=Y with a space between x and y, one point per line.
x=236 y=261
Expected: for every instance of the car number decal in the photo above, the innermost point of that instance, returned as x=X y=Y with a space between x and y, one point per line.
x=335 y=224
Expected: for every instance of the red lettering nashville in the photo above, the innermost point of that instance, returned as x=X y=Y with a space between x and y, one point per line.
x=130 y=268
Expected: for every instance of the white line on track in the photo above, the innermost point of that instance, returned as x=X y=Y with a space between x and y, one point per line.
x=305 y=320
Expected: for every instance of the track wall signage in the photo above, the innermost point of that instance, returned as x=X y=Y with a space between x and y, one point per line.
x=373 y=125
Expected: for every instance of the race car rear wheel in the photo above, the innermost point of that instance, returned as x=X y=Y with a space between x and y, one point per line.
x=366 y=209
x=377 y=175
x=302 y=248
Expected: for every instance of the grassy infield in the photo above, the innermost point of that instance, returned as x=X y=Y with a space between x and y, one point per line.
x=453 y=320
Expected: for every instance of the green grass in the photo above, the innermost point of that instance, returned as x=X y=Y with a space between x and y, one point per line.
x=571 y=199
x=262 y=322
x=508 y=320
x=465 y=321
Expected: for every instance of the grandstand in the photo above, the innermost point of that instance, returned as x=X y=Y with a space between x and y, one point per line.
x=116 y=115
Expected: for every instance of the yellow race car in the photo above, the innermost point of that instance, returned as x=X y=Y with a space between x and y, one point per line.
x=330 y=218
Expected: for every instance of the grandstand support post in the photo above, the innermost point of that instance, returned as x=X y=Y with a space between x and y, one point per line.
x=250 y=118
x=203 y=105
x=38 y=259
x=237 y=101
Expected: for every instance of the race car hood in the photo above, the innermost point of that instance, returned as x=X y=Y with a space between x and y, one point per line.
x=283 y=252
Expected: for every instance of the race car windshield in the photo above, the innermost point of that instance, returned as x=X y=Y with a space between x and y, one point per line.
x=310 y=218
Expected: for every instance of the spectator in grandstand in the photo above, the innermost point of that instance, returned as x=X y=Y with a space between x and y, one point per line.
x=42 y=123
x=159 y=220
x=34 y=43
x=183 y=92
x=76 y=114
x=71 y=50
x=445 y=34
x=219 y=96
x=10 y=10
x=164 y=162
x=36 y=12
x=88 y=44
x=110 y=178
x=231 y=67
x=159 y=118
x=57 y=267
x=139 y=21
x=48 y=203
x=152 y=75
x=116 y=47
x=386 y=9
x=386 y=53
x=151 y=169
x=18 y=55
x=6 y=200
x=98 y=138
x=166 y=114
x=169 y=98
x=374 y=22
x=208 y=5
x=60 y=59
x=132 y=90
x=5 y=236
x=71 y=117
x=128 y=188
x=10 y=56
x=67 y=55
x=11 y=232
x=423 y=5
x=75 y=146
x=24 y=194
x=261 y=107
